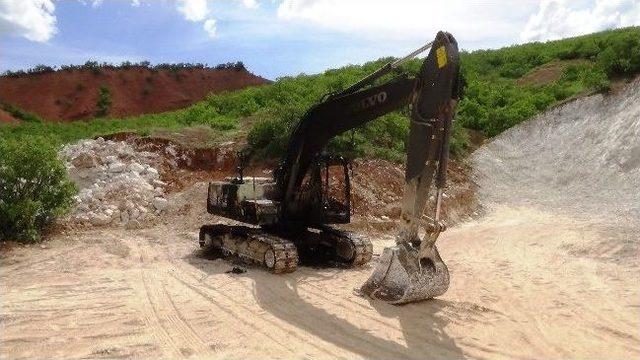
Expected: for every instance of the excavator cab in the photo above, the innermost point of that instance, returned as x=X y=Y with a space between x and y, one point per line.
x=336 y=189
x=324 y=195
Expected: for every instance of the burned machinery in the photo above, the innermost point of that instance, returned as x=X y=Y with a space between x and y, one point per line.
x=290 y=216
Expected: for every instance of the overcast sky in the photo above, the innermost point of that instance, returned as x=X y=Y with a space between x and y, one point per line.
x=282 y=37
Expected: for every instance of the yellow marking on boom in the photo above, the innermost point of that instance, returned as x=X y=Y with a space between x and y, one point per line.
x=441 y=57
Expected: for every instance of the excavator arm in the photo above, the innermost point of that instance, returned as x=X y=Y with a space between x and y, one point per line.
x=361 y=103
x=334 y=116
x=413 y=269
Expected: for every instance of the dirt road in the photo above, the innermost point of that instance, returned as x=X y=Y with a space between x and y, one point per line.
x=516 y=292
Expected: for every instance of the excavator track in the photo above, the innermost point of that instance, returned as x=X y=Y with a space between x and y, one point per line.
x=351 y=249
x=363 y=250
x=251 y=245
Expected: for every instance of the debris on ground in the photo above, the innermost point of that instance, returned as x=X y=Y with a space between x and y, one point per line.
x=117 y=184
x=236 y=270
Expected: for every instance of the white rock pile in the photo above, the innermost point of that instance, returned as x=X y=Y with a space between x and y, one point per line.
x=118 y=184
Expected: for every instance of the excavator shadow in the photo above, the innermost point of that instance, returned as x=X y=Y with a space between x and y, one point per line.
x=301 y=300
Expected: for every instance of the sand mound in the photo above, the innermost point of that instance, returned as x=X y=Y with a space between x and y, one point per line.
x=581 y=159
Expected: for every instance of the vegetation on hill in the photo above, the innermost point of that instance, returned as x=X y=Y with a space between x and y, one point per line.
x=495 y=97
x=104 y=101
x=97 y=67
x=495 y=101
x=20 y=113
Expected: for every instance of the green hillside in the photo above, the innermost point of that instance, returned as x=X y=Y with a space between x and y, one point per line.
x=504 y=87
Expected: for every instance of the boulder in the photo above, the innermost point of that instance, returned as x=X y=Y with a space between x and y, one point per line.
x=117 y=167
x=100 y=219
x=152 y=173
x=135 y=167
x=83 y=161
x=160 y=203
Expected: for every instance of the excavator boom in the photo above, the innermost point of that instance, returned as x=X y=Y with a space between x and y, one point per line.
x=326 y=120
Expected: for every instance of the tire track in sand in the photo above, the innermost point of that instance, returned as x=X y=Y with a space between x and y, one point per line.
x=175 y=336
x=225 y=303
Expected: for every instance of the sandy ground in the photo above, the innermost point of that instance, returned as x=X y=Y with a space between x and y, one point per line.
x=551 y=270
x=517 y=291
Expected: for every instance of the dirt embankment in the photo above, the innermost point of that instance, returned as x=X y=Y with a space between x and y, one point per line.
x=550 y=72
x=72 y=95
x=6 y=118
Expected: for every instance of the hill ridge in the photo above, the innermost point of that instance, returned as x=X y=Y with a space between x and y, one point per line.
x=66 y=95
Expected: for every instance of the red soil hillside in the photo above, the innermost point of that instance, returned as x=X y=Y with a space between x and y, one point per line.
x=72 y=95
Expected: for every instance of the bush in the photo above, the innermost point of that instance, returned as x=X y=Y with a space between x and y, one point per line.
x=34 y=188
x=269 y=137
x=104 y=101
x=596 y=79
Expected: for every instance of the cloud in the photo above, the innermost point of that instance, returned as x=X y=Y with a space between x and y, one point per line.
x=210 y=27
x=250 y=4
x=193 y=10
x=472 y=21
x=32 y=19
x=557 y=19
x=199 y=11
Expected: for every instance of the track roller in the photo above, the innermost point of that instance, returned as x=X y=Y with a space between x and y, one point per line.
x=251 y=245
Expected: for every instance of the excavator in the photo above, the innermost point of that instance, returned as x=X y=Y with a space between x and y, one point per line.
x=289 y=217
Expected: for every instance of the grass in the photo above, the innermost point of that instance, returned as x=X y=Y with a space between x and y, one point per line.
x=494 y=98
x=20 y=114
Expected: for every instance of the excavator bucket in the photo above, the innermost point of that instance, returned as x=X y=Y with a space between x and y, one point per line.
x=401 y=276
x=413 y=270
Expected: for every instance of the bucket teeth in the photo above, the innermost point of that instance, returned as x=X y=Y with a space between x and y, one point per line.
x=402 y=277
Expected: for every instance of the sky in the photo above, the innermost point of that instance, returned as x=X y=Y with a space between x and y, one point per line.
x=276 y=38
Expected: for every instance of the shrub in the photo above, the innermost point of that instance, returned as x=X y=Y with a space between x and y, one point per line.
x=104 y=101
x=34 y=188
x=40 y=69
x=596 y=79
x=20 y=113
x=269 y=137
x=93 y=66
x=222 y=123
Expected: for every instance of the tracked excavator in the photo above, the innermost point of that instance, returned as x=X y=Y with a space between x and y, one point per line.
x=290 y=216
